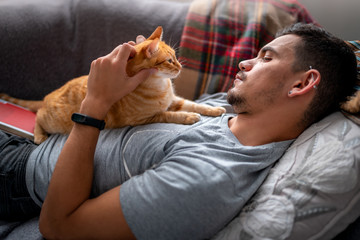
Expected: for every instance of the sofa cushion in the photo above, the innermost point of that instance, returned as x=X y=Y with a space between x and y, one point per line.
x=313 y=192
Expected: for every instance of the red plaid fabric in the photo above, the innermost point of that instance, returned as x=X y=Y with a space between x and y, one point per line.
x=355 y=45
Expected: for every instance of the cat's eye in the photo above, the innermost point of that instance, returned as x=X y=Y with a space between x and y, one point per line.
x=167 y=60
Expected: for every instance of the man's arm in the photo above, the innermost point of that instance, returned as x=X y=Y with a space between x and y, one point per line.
x=67 y=210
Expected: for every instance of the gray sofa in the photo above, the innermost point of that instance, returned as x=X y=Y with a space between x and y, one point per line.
x=43 y=44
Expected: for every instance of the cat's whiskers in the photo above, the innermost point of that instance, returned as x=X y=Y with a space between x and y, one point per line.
x=177 y=50
x=182 y=61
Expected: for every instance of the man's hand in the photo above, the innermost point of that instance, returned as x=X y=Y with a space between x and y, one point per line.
x=108 y=81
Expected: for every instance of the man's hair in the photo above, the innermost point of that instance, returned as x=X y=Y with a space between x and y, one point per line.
x=335 y=61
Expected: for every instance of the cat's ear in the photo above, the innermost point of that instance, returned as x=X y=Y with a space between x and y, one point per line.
x=152 y=48
x=158 y=33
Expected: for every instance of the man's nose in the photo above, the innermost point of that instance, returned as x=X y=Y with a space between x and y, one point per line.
x=245 y=65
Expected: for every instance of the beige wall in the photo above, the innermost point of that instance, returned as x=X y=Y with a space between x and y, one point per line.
x=341 y=17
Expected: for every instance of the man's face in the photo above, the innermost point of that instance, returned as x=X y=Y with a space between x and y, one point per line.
x=264 y=81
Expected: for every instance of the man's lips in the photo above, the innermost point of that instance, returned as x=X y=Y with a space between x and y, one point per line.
x=240 y=77
x=237 y=81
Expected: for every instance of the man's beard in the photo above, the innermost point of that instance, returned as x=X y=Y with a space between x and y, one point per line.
x=240 y=103
x=235 y=100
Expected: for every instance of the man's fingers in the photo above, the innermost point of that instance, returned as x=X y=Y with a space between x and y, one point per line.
x=140 y=39
x=124 y=53
x=114 y=52
x=143 y=75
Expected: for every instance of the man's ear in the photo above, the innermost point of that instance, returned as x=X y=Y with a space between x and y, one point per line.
x=309 y=81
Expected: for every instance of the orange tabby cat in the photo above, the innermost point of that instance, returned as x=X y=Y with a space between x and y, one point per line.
x=152 y=101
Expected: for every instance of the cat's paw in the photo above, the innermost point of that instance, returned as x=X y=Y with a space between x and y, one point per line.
x=192 y=118
x=4 y=96
x=40 y=138
x=214 y=111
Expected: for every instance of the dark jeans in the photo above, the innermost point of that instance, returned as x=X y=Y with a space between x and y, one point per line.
x=15 y=201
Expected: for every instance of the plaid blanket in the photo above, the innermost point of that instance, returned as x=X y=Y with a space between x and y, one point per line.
x=355 y=45
x=220 y=33
x=353 y=105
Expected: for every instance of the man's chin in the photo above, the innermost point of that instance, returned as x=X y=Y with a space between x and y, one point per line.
x=235 y=100
x=232 y=98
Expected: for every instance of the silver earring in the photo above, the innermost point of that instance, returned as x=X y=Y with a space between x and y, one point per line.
x=290 y=92
x=312 y=75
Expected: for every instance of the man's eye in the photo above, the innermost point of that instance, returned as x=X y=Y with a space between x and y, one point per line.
x=266 y=59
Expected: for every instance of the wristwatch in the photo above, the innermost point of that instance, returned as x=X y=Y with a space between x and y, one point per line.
x=89 y=121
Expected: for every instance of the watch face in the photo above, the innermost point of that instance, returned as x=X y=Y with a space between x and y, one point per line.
x=78 y=118
x=86 y=120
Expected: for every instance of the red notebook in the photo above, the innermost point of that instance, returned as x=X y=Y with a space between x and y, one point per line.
x=17 y=120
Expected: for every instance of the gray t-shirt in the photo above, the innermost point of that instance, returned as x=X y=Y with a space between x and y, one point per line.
x=178 y=181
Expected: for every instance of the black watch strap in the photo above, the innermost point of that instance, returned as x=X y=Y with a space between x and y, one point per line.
x=86 y=120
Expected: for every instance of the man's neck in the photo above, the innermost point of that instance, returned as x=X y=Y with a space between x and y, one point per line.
x=258 y=130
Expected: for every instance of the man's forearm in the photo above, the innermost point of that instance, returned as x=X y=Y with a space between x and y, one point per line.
x=71 y=182
x=67 y=210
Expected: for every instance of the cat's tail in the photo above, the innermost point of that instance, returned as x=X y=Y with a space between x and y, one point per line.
x=32 y=105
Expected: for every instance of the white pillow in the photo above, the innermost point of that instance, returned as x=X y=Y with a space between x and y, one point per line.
x=312 y=192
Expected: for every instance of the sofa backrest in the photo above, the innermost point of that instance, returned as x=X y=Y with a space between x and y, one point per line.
x=44 y=43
